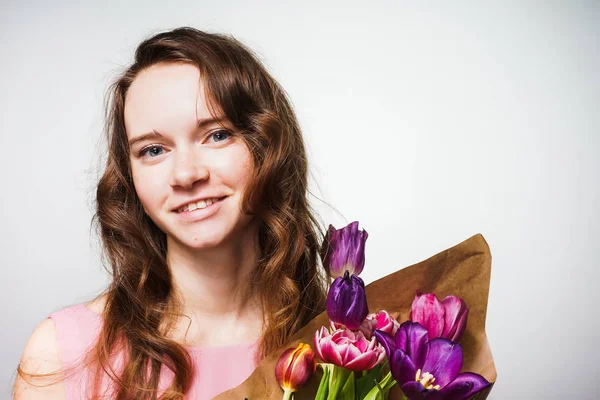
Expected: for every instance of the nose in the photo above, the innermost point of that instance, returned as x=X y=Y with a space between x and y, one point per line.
x=187 y=170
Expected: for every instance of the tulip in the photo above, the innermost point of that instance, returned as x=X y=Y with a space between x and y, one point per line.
x=343 y=352
x=294 y=368
x=428 y=369
x=347 y=301
x=382 y=321
x=348 y=349
x=446 y=318
x=344 y=250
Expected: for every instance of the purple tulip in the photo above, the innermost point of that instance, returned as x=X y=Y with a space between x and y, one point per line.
x=344 y=250
x=428 y=369
x=347 y=301
x=446 y=318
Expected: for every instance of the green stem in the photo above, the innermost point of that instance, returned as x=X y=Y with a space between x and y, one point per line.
x=287 y=394
x=337 y=379
x=323 y=390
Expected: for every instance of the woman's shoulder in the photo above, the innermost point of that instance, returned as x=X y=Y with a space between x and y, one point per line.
x=43 y=342
x=45 y=339
x=56 y=342
x=40 y=356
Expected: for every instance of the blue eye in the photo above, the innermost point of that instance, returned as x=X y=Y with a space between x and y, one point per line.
x=220 y=133
x=153 y=150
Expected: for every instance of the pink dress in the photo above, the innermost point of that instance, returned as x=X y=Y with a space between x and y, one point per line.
x=217 y=369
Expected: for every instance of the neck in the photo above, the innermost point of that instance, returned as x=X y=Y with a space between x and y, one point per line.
x=215 y=288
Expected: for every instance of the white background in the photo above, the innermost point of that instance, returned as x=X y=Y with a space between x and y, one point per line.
x=428 y=123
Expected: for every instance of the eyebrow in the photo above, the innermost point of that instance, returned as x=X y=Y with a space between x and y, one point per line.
x=202 y=123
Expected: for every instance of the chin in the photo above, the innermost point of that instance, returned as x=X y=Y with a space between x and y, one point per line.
x=199 y=242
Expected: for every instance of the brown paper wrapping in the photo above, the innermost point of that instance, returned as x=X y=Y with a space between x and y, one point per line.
x=462 y=270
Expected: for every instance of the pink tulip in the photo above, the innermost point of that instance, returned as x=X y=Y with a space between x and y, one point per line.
x=446 y=318
x=382 y=321
x=348 y=349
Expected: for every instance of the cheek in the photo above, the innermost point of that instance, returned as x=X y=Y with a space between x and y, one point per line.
x=244 y=164
x=242 y=172
x=148 y=188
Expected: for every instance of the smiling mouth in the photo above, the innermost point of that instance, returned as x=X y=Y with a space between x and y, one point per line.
x=200 y=205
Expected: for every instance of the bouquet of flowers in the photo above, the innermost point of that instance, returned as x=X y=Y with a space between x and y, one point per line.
x=432 y=354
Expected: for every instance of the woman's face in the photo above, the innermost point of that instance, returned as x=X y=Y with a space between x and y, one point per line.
x=180 y=155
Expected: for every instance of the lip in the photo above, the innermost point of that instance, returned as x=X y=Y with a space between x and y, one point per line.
x=200 y=213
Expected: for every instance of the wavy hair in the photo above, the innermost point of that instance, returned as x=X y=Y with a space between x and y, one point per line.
x=141 y=307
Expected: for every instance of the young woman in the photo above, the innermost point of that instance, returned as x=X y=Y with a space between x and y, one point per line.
x=207 y=231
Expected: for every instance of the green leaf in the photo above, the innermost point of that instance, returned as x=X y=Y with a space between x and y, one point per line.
x=381 y=393
x=365 y=383
x=348 y=391
x=388 y=382
x=323 y=390
x=381 y=389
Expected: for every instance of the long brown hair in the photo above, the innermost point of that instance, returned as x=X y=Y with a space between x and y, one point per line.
x=140 y=304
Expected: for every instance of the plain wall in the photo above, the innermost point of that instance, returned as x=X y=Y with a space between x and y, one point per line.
x=427 y=122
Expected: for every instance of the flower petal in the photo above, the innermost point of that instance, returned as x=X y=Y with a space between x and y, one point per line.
x=455 y=318
x=357 y=250
x=334 y=309
x=429 y=312
x=283 y=368
x=386 y=341
x=444 y=360
x=318 y=337
x=464 y=386
x=402 y=368
x=349 y=352
x=329 y=351
x=386 y=323
x=368 y=325
x=363 y=362
x=357 y=308
x=412 y=338
x=414 y=390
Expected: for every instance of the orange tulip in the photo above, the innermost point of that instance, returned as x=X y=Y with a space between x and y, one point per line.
x=294 y=368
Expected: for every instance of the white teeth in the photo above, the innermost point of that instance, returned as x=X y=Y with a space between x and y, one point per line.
x=200 y=204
